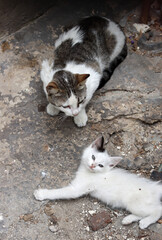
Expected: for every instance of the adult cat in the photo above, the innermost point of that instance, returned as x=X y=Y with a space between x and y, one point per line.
x=114 y=186
x=84 y=59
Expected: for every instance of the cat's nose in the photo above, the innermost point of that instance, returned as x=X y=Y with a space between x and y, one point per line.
x=75 y=112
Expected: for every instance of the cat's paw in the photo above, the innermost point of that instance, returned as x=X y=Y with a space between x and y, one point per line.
x=81 y=119
x=40 y=194
x=51 y=110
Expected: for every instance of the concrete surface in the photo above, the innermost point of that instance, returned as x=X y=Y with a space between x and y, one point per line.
x=16 y=14
x=39 y=150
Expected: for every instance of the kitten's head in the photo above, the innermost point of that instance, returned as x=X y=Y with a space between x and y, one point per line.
x=67 y=92
x=96 y=158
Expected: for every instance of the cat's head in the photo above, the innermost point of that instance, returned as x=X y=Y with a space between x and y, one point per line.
x=67 y=92
x=96 y=158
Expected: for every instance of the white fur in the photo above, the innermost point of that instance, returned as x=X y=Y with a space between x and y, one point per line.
x=113 y=186
x=51 y=110
x=74 y=34
x=74 y=110
x=120 y=39
x=46 y=74
x=81 y=119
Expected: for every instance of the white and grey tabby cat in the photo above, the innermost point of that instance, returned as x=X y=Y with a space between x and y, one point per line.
x=84 y=59
x=114 y=186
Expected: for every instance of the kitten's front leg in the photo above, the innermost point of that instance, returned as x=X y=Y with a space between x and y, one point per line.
x=62 y=193
x=81 y=119
x=51 y=110
x=42 y=194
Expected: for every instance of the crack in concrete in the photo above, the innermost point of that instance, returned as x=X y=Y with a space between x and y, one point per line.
x=145 y=122
x=119 y=90
x=137 y=119
x=134 y=91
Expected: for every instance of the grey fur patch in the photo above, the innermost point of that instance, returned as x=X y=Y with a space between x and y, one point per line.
x=97 y=43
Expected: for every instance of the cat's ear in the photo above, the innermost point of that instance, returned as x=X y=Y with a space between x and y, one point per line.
x=114 y=161
x=81 y=79
x=99 y=144
x=52 y=88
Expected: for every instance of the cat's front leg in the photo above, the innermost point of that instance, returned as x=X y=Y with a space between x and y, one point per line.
x=81 y=119
x=51 y=110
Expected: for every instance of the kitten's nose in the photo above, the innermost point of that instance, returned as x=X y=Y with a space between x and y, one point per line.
x=92 y=166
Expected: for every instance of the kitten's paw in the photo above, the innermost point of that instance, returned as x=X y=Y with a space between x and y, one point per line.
x=129 y=219
x=51 y=110
x=126 y=220
x=81 y=119
x=40 y=194
x=144 y=223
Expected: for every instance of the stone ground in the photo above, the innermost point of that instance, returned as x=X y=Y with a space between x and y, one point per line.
x=40 y=150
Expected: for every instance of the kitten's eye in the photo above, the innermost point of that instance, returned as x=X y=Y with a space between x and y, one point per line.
x=66 y=106
x=100 y=165
x=93 y=157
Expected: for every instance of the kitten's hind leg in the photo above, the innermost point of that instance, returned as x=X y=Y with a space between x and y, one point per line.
x=130 y=218
x=51 y=110
x=145 y=222
x=156 y=214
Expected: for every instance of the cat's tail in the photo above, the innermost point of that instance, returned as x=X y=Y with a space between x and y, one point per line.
x=109 y=71
x=46 y=72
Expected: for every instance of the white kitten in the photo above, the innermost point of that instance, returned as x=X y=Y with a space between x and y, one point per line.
x=97 y=177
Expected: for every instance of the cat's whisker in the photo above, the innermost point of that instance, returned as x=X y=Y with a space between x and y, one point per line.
x=61 y=118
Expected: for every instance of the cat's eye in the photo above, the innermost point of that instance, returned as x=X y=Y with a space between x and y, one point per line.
x=100 y=165
x=66 y=106
x=93 y=157
x=81 y=101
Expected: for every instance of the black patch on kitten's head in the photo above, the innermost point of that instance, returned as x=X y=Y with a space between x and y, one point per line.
x=65 y=83
x=99 y=144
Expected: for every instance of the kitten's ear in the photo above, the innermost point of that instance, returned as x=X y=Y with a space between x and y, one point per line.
x=81 y=79
x=114 y=161
x=99 y=144
x=52 y=88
